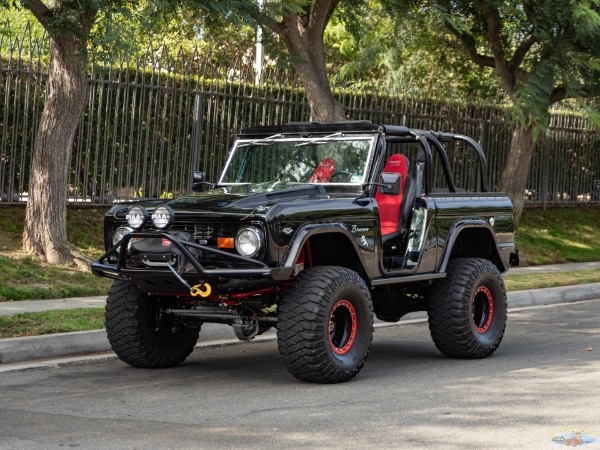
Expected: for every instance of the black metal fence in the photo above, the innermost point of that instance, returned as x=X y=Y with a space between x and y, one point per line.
x=151 y=120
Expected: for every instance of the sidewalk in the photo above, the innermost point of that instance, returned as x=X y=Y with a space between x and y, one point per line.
x=567 y=267
x=8 y=308
x=60 y=344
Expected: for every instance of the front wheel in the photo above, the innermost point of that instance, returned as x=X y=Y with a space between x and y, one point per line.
x=467 y=309
x=325 y=325
x=141 y=333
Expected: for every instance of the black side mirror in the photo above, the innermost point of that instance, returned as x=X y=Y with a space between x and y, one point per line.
x=198 y=181
x=389 y=183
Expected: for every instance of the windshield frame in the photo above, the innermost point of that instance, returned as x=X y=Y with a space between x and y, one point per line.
x=305 y=140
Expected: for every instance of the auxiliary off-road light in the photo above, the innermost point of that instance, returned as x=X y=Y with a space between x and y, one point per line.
x=162 y=217
x=249 y=241
x=119 y=234
x=136 y=217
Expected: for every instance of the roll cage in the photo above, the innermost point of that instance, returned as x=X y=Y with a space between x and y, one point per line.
x=428 y=141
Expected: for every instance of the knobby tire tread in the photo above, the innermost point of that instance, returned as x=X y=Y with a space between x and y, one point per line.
x=448 y=309
x=131 y=331
x=302 y=317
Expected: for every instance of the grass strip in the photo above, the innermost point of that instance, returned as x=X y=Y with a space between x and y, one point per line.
x=559 y=235
x=24 y=278
x=49 y=322
x=550 y=279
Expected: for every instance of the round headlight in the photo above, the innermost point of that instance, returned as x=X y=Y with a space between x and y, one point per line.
x=136 y=217
x=249 y=241
x=119 y=234
x=162 y=217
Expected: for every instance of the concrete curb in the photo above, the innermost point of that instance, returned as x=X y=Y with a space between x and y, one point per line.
x=563 y=294
x=62 y=344
x=52 y=345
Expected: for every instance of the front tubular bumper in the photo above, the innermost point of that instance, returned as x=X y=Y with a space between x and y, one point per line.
x=167 y=280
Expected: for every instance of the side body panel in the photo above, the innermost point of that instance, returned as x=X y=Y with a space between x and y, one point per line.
x=292 y=224
x=490 y=212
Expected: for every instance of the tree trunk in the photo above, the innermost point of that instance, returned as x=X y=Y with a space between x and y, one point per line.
x=318 y=92
x=45 y=220
x=516 y=170
x=304 y=42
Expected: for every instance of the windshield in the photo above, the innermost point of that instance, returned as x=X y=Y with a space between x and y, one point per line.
x=330 y=159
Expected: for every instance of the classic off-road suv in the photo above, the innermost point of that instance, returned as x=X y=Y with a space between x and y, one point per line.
x=313 y=229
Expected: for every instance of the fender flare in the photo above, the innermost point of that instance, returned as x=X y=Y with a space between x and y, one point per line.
x=304 y=233
x=455 y=231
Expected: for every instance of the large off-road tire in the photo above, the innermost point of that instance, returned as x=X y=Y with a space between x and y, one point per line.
x=325 y=325
x=467 y=309
x=141 y=333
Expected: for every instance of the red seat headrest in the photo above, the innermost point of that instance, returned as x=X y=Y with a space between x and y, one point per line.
x=398 y=164
x=323 y=171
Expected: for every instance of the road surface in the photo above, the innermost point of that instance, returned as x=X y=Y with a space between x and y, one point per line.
x=543 y=380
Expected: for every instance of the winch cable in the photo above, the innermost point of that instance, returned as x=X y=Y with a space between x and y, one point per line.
x=196 y=290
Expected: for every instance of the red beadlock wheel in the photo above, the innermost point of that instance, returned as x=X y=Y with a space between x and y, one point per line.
x=482 y=309
x=342 y=327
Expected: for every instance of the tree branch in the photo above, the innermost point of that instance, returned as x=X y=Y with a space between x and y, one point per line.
x=494 y=25
x=494 y=28
x=558 y=93
x=529 y=12
x=521 y=75
x=276 y=27
x=466 y=44
x=521 y=52
x=320 y=14
x=40 y=11
x=477 y=58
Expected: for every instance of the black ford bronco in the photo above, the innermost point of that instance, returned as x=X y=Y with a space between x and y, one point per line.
x=313 y=229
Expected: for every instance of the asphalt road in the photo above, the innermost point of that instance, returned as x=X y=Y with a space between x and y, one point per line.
x=543 y=379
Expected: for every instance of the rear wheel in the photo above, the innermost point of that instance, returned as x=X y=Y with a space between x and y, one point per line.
x=141 y=333
x=467 y=309
x=325 y=325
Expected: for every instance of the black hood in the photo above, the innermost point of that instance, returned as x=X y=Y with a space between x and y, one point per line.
x=243 y=198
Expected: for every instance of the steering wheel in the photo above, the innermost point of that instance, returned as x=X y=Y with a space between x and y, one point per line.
x=334 y=175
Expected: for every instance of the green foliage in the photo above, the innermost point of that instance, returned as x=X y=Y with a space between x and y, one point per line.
x=545 y=50
x=419 y=51
x=366 y=42
x=591 y=111
x=16 y=20
x=112 y=23
x=193 y=29
x=357 y=43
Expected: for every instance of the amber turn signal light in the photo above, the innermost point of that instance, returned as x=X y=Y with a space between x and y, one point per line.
x=225 y=243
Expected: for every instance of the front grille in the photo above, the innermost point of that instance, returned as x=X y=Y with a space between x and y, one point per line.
x=203 y=232
x=208 y=234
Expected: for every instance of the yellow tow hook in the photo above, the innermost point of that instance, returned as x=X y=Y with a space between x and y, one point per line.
x=196 y=290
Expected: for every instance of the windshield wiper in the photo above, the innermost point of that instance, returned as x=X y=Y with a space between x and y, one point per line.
x=261 y=141
x=319 y=140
